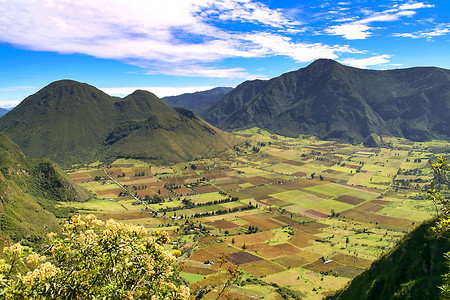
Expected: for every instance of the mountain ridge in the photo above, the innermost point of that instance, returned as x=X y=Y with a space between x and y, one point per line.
x=333 y=101
x=69 y=122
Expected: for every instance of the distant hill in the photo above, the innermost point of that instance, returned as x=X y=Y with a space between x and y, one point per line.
x=3 y=112
x=411 y=270
x=29 y=189
x=194 y=101
x=333 y=101
x=71 y=122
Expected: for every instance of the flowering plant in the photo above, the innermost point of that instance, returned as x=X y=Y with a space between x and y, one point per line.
x=93 y=260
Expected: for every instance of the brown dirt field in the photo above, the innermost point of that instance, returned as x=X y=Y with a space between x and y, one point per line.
x=350 y=199
x=370 y=207
x=311 y=227
x=248 y=239
x=301 y=239
x=240 y=258
x=257 y=180
x=291 y=261
x=115 y=191
x=320 y=266
x=269 y=251
x=197 y=270
x=331 y=171
x=263 y=221
x=298 y=184
x=286 y=220
x=314 y=214
x=223 y=224
x=294 y=163
x=352 y=261
x=218 y=248
x=205 y=189
x=184 y=191
x=366 y=217
x=215 y=174
x=262 y=268
x=381 y=202
x=203 y=255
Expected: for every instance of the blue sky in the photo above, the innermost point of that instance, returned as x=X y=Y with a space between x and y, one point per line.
x=174 y=46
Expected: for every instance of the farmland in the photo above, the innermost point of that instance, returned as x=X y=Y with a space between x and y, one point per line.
x=296 y=216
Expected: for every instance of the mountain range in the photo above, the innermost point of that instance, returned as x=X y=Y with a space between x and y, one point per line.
x=3 y=112
x=29 y=189
x=336 y=102
x=196 y=101
x=71 y=122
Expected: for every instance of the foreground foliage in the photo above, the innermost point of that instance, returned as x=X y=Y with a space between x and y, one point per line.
x=93 y=260
x=442 y=228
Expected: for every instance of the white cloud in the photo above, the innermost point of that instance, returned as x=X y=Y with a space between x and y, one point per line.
x=442 y=29
x=160 y=91
x=9 y=104
x=162 y=36
x=175 y=37
x=366 y=62
x=360 y=29
x=415 y=5
x=352 y=31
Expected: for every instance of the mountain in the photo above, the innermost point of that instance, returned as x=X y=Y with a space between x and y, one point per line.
x=71 y=122
x=29 y=189
x=3 y=112
x=413 y=269
x=333 y=101
x=194 y=101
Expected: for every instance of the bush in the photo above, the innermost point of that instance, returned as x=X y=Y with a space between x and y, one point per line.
x=93 y=260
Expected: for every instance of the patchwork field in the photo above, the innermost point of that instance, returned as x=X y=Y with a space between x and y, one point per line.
x=299 y=214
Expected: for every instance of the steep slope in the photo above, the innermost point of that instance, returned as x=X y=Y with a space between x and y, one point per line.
x=28 y=191
x=166 y=135
x=62 y=122
x=412 y=270
x=3 y=112
x=333 y=101
x=72 y=122
x=195 y=101
x=216 y=112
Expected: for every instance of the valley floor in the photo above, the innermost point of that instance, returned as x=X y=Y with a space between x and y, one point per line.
x=298 y=217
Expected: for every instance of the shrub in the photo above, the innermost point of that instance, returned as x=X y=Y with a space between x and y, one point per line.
x=93 y=260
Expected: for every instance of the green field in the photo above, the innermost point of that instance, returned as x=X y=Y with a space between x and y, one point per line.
x=320 y=211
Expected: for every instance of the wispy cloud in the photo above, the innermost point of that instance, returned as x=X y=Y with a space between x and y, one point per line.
x=359 y=28
x=161 y=36
x=440 y=30
x=366 y=62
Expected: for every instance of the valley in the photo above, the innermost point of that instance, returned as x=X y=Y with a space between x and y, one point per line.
x=297 y=216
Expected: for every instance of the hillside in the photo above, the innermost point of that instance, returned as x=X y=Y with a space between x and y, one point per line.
x=195 y=101
x=28 y=191
x=72 y=122
x=3 y=112
x=411 y=270
x=333 y=101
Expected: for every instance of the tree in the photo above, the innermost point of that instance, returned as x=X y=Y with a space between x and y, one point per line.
x=93 y=260
x=441 y=169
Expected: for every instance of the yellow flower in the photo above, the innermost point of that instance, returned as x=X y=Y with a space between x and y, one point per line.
x=15 y=249
x=184 y=292
x=176 y=252
x=51 y=235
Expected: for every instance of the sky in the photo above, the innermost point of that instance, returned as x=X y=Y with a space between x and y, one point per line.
x=170 y=47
